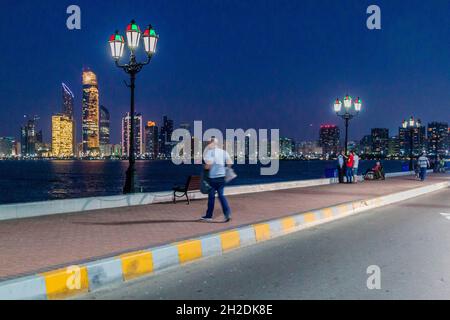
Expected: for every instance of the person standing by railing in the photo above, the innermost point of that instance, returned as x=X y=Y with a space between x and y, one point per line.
x=341 y=167
x=350 y=164
x=355 y=167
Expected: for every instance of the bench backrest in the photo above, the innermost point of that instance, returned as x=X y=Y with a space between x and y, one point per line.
x=194 y=183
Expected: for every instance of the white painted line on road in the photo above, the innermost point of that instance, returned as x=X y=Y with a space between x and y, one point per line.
x=446 y=215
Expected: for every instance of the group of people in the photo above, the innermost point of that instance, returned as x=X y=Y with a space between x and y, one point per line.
x=348 y=167
x=218 y=161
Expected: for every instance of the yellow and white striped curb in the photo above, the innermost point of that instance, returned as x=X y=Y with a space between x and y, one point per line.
x=88 y=277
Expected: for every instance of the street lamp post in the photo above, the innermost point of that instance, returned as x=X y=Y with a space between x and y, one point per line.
x=411 y=125
x=117 y=44
x=351 y=109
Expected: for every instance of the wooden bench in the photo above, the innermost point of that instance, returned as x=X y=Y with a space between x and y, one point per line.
x=192 y=185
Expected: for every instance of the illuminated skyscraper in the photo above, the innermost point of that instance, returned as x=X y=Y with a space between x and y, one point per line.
x=165 y=138
x=104 y=126
x=438 y=138
x=418 y=140
x=287 y=147
x=138 y=134
x=62 y=136
x=380 y=141
x=6 y=146
x=151 y=140
x=67 y=109
x=329 y=138
x=29 y=138
x=68 y=98
x=91 y=134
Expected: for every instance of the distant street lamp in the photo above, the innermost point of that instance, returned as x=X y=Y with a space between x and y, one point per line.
x=117 y=44
x=351 y=109
x=411 y=125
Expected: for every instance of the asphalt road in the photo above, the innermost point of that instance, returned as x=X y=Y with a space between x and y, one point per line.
x=409 y=242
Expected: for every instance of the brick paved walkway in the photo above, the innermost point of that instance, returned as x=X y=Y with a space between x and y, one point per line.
x=37 y=244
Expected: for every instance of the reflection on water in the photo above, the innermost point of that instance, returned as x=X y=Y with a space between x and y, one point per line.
x=27 y=181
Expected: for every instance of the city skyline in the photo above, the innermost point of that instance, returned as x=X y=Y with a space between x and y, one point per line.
x=227 y=85
x=96 y=133
x=102 y=124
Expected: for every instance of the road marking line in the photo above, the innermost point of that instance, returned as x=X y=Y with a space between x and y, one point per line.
x=446 y=215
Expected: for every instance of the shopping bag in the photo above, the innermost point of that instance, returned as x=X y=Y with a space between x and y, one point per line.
x=205 y=187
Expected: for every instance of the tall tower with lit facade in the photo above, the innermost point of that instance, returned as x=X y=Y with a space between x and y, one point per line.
x=104 y=126
x=90 y=126
x=418 y=140
x=165 y=138
x=151 y=140
x=105 y=145
x=68 y=98
x=329 y=138
x=62 y=136
x=380 y=141
x=138 y=134
x=438 y=138
x=30 y=137
x=68 y=110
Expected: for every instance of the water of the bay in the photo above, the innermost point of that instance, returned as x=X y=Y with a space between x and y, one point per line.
x=29 y=181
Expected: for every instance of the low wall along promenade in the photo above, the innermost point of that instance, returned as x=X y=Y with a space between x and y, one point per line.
x=44 y=208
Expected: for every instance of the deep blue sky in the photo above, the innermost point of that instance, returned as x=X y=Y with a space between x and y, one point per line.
x=234 y=63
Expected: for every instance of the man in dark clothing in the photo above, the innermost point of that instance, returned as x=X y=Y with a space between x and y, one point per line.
x=341 y=167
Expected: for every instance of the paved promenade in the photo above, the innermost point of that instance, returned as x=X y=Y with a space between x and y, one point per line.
x=38 y=244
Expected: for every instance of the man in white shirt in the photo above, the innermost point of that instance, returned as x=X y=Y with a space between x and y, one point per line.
x=424 y=164
x=215 y=161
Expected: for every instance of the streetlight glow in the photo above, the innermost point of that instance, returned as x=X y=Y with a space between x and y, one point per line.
x=117 y=44
x=337 y=105
x=358 y=105
x=347 y=102
x=133 y=35
x=150 y=40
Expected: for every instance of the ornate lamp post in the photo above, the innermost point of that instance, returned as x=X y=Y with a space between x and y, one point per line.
x=411 y=125
x=351 y=109
x=117 y=44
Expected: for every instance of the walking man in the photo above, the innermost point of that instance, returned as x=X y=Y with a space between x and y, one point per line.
x=215 y=161
x=340 y=167
x=424 y=164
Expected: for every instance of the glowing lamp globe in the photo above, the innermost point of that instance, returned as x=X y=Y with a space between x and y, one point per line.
x=117 y=43
x=150 y=40
x=348 y=102
x=133 y=35
x=337 y=105
x=358 y=104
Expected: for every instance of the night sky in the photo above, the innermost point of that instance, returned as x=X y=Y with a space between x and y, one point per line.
x=233 y=63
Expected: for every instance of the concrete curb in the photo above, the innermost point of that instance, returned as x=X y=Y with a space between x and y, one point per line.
x=92 y=276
